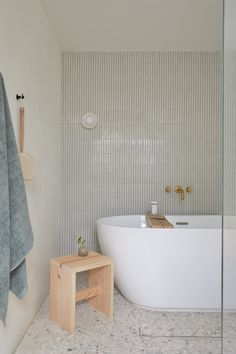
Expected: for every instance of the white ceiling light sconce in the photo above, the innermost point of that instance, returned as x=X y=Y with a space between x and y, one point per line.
x=89 y=120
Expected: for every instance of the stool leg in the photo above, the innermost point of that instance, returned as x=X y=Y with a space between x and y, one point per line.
x=55 y=293
x=104 y=277
x=68 y=303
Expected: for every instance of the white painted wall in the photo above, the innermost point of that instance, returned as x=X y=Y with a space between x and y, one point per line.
x=230 y=25
x=30 y=63
x=137 y=25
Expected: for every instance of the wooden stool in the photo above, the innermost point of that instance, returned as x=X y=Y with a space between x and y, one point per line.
x=63 y=296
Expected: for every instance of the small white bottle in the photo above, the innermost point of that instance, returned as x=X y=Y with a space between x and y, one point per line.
x=154 y=208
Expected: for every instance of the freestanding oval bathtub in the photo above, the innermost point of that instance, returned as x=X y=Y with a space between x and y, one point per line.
x=171 y=269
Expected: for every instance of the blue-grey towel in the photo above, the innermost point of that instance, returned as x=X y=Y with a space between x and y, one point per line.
x=16 y=237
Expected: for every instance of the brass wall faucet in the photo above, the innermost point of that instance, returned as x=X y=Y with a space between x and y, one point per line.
x=180 y=190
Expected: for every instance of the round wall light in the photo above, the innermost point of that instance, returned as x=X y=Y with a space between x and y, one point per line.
x=89 y=120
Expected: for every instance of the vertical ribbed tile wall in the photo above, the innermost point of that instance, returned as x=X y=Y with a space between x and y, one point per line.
x=230 y=133
x=159 y=122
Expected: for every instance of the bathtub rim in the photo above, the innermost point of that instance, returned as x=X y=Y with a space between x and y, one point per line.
x=100 y=221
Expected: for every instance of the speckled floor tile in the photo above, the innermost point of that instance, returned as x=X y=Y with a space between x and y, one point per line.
x=132 y=330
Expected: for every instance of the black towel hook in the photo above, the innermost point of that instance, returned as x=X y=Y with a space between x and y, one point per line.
x=20 y=97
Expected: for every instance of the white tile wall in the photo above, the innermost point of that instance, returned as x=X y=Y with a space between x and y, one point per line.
x=159 y=124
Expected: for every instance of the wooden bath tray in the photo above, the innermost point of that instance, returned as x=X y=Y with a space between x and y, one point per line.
x=159 y=222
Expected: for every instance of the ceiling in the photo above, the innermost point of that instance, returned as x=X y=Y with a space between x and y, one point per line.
x=113 y=25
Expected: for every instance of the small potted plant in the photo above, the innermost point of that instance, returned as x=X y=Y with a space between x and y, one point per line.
x=83 y=250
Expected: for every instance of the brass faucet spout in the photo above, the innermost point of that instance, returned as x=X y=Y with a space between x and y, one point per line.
x=180 y=190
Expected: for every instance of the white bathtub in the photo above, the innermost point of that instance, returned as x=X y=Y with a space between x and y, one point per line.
x=171 y=269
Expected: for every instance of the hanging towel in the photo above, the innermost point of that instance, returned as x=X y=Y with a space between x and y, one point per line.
x=16 y=237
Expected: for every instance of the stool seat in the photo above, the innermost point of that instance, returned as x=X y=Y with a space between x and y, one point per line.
x=63 y=295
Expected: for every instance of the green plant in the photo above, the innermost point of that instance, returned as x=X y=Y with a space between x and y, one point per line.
x=81 y=241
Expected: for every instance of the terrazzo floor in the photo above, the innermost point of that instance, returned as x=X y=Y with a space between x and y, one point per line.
x=132 y=330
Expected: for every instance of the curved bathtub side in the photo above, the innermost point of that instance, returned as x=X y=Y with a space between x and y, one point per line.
x=165 y=269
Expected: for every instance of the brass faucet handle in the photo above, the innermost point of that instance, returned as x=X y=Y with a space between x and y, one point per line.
x=189 y=189
x=168 y=189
